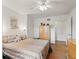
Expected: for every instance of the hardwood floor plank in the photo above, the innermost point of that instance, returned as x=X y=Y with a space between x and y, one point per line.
x=59 y=51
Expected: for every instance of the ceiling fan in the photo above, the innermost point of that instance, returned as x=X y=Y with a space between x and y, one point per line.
x=43 y=5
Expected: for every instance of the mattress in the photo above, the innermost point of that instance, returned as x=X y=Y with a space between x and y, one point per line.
x=27 y=49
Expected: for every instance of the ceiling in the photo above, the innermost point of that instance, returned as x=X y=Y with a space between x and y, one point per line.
x=27 y=6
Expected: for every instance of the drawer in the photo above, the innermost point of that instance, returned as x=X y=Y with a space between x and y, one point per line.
x=71 y=50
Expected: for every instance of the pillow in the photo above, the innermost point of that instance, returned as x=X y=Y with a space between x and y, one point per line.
x=17 y=39
x=5 y=39
x=11 y=38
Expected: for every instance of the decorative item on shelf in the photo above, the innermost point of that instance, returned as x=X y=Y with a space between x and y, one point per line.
x=43 y=24
x=47 y=24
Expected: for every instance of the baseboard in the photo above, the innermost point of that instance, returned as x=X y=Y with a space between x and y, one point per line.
x=61 y=42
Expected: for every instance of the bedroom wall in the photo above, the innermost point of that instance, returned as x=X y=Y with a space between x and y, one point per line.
x=30 y=26
x=68 y=25
x=57 y=21
x=73 y=13
x=61 y=22
x=7 y=13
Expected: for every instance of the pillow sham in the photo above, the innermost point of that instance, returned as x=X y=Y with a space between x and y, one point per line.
x=17 y=39
x=11 y=38
x=5 y=39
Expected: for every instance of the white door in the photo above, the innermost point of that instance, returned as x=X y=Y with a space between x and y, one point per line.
x=53 y=35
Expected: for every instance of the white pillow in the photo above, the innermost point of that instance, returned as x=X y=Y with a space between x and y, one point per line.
x=5 y=39
x=11 y=38
x=17 y=39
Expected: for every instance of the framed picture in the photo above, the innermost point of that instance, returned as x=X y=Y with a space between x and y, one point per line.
x=13 y=23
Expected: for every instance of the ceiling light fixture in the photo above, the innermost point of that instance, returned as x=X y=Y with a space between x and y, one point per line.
x=43 y=7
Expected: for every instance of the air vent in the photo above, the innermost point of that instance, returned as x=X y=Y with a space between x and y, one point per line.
x=48 y=19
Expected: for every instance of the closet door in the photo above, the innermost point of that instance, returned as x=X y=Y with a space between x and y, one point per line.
x=52 y=30
x=47 y=32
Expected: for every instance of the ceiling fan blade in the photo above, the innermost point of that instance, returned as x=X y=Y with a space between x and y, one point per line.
x=49 y=6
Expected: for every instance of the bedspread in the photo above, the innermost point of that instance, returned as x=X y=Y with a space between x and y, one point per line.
x=27 y=49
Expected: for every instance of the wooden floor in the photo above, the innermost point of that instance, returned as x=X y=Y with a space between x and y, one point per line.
x=59 y=51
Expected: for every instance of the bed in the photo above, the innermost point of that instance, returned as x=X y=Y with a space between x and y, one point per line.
x=27 y=49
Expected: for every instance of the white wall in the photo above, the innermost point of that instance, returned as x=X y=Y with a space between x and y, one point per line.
x=61 y=22
x=30 y=26
x=7 y=13
x=73 y=13
x=68 y=25
x=58 y=21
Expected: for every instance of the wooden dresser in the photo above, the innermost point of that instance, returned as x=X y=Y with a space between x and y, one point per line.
x=71 y=49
